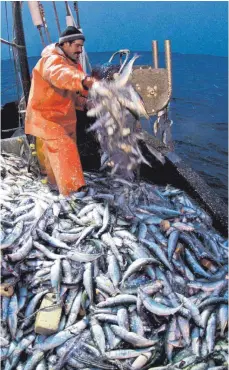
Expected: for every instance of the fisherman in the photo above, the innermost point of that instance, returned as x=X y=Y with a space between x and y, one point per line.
x=59 y=86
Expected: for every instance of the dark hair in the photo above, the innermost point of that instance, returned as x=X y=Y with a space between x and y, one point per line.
x=66 y=42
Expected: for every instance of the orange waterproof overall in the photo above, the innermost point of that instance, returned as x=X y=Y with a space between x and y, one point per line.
x=51 y=117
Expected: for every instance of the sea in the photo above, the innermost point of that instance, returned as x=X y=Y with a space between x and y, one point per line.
x=198 y=109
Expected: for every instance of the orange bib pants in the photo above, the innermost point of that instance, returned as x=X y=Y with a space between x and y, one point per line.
x=60 y=160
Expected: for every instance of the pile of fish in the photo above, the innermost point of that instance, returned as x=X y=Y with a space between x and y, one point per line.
x=118 y=108
x=137 y=270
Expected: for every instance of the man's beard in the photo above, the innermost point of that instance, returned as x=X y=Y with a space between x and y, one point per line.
x=75 y=59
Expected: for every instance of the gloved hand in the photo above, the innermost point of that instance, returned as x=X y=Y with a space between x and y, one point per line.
x=88 y=82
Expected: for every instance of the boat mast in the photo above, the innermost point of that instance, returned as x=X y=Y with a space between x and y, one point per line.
x=22 y=54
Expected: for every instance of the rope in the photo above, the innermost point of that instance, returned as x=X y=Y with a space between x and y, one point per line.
x=11 y=44
x=8 y=35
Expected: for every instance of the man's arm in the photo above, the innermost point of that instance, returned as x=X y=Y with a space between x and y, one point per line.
x=64 y=76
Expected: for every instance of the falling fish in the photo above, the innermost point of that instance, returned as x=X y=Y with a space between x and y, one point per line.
x=118 y=108
x=122 y=79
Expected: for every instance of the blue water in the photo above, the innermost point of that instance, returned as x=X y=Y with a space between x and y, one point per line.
x=199 y=109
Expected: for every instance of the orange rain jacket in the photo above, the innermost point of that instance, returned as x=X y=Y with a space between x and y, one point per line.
x=56 y=90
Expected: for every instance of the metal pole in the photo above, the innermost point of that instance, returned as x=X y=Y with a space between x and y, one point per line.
x=155 y=53
x=22 y=54
x=56 y=16
x=76 y=8
x=168 y=62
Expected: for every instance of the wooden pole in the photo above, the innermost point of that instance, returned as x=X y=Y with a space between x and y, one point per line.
x=168 y=62
x=22 y=54
x=56 y=16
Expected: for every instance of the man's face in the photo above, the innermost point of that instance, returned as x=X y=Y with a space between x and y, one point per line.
x=74 y=49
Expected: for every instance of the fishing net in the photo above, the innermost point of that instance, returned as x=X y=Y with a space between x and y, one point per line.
x=105 y=71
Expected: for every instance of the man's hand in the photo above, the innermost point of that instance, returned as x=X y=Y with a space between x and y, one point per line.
x=88 y=82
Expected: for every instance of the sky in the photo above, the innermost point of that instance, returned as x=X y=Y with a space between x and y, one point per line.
x=194 y=27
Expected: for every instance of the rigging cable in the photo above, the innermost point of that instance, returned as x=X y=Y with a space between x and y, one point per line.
x=15 y=62
x=7 y=27
x=45 y=25
x=41 y=36
x=21 y=100
x=56 y=16
x=10 y=52
x=11 y=44
x=12 y=61
x=76 y=8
